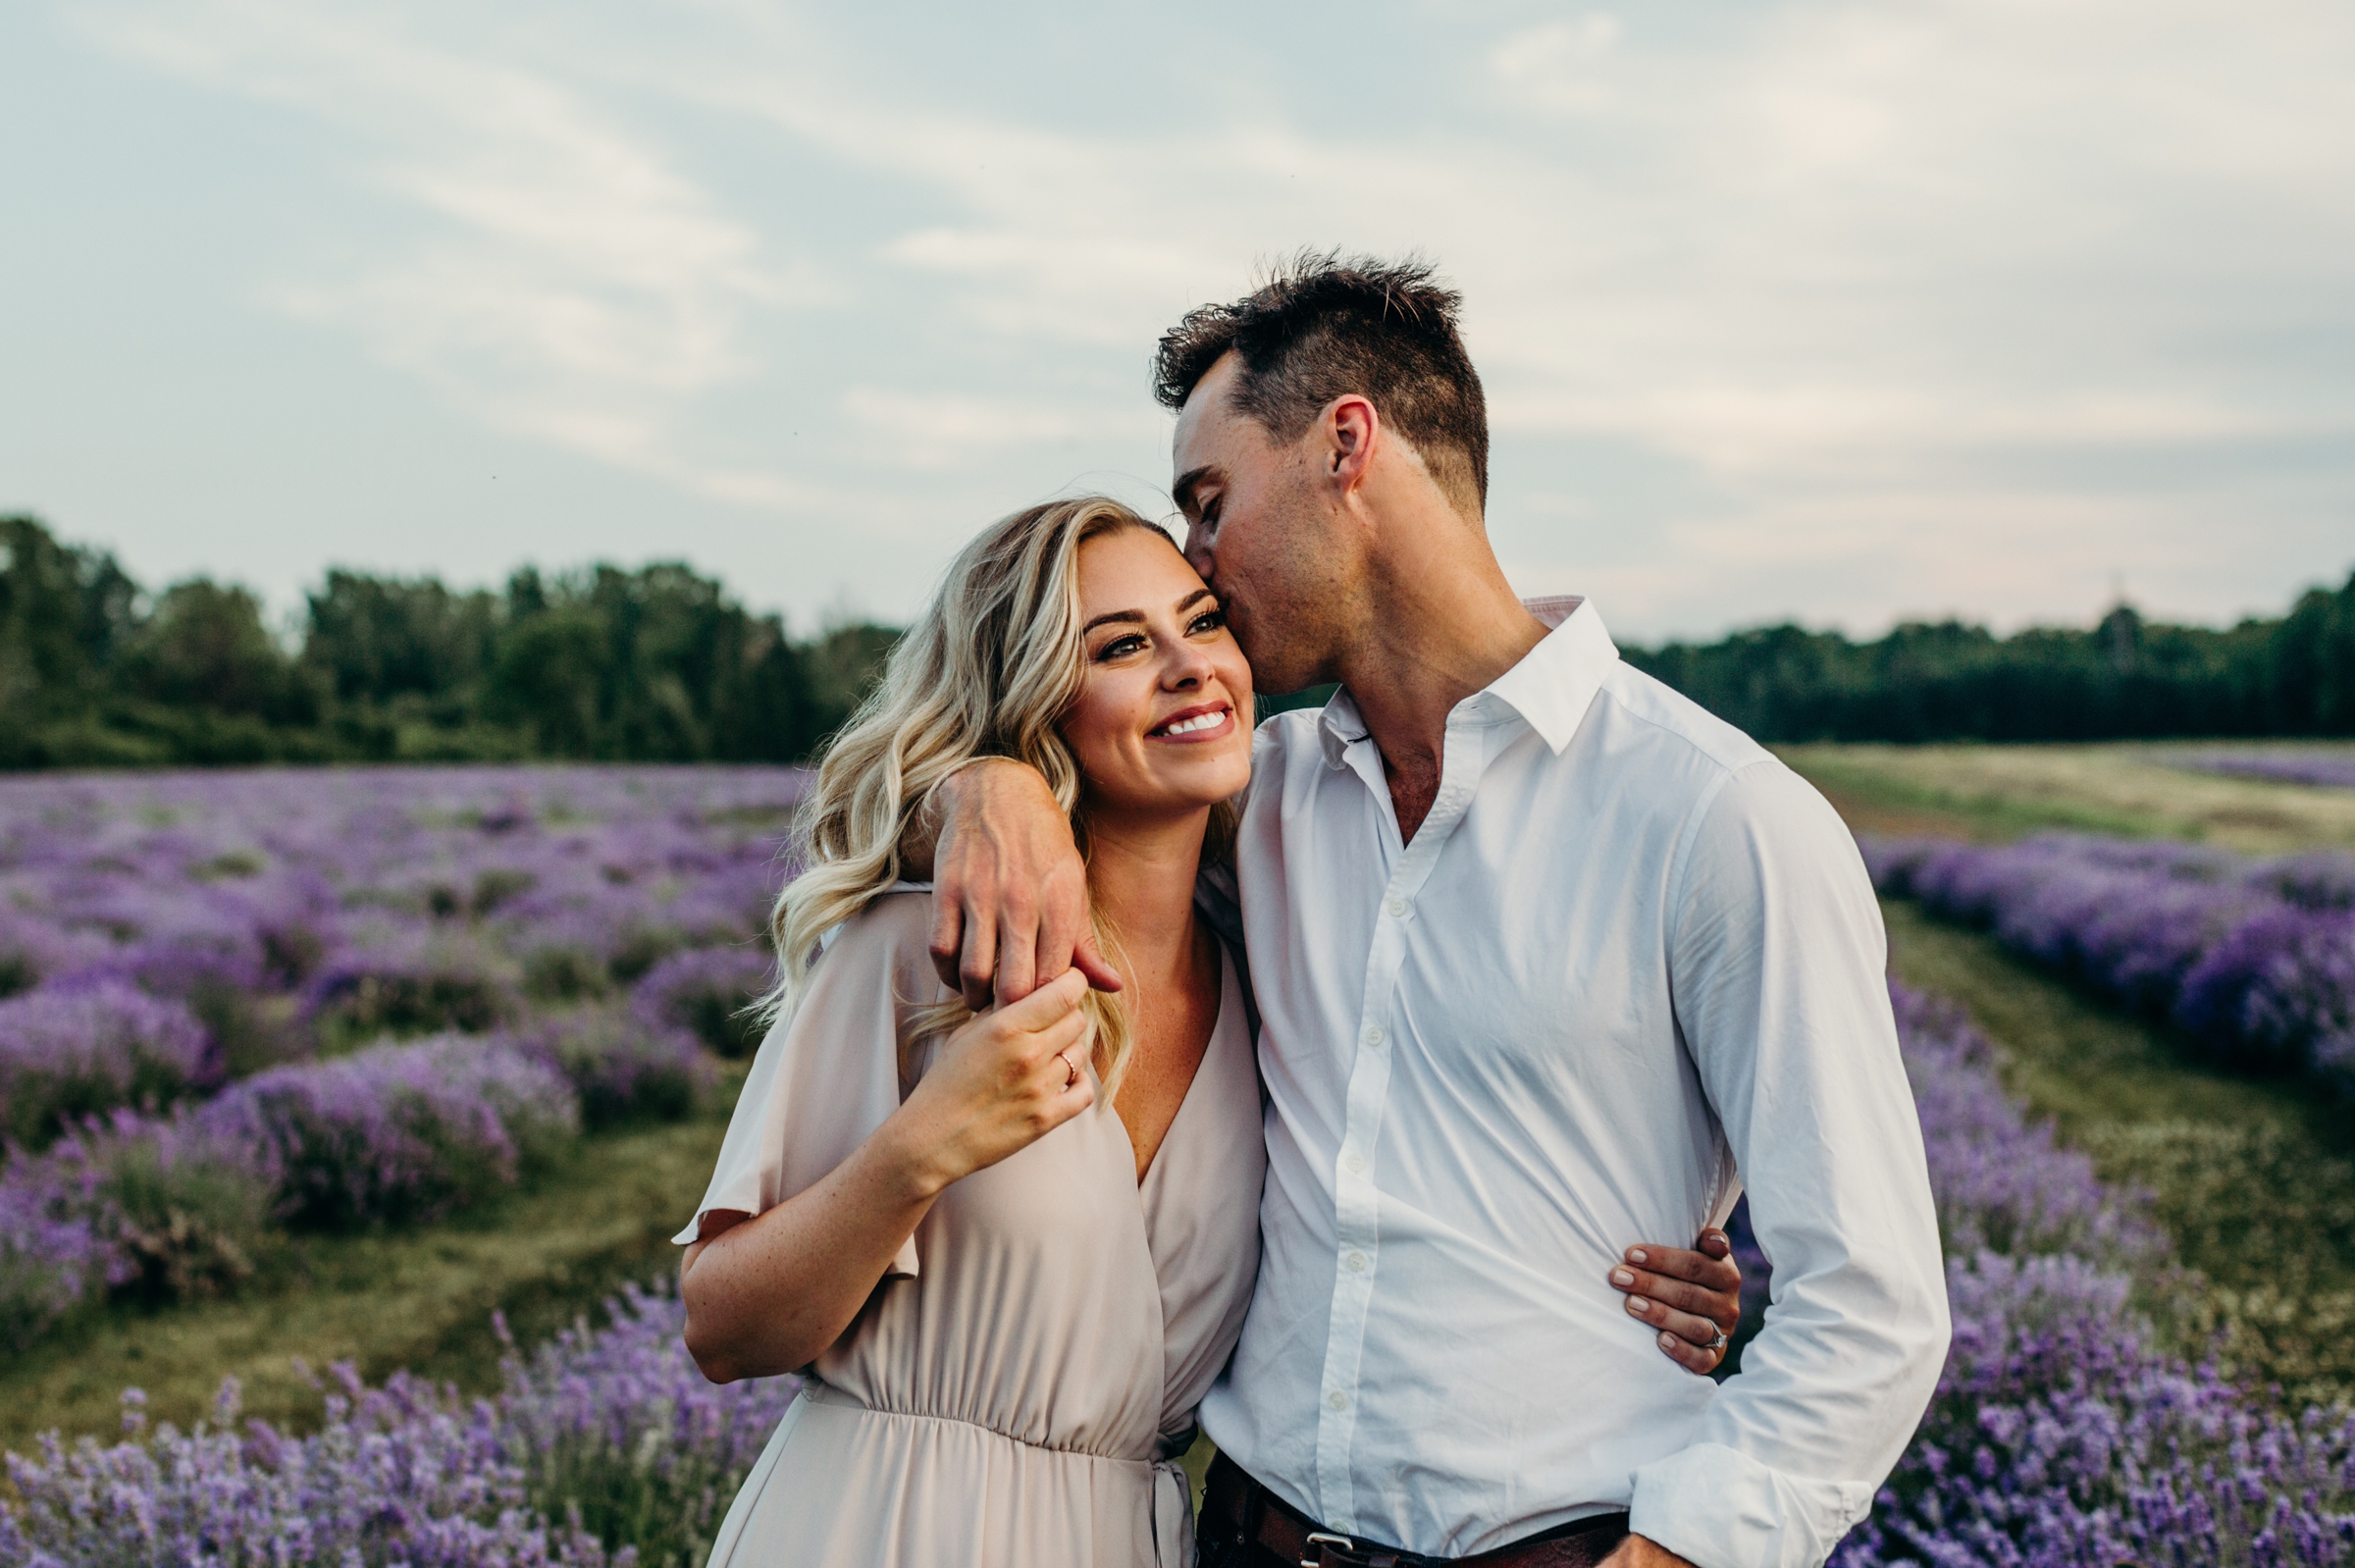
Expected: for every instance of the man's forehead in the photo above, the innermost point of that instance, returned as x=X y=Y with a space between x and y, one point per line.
x=1203 y=426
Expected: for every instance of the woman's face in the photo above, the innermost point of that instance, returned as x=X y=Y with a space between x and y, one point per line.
x=1163 y=719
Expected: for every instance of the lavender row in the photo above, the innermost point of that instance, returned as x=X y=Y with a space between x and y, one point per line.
x=2253 y=960
x=594 y=1439
x=162 y=935
x=2328 y=769
x=2063 y=1433
x=179 y=1205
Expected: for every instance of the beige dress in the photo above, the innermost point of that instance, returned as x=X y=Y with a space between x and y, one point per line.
x=1017 y=1388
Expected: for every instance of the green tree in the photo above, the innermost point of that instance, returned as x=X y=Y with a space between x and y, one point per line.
x=205 y=646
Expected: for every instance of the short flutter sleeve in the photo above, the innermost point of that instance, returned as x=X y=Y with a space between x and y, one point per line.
x=829 y=1075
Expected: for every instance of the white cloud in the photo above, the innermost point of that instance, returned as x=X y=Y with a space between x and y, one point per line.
x=560 y=276
x=1874 y=302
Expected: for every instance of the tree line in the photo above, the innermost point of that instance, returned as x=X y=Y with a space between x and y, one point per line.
x=2125 y=679
x=659 y=664
x=600 y=664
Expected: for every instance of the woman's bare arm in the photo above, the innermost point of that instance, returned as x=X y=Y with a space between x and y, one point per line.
x=765 y=1294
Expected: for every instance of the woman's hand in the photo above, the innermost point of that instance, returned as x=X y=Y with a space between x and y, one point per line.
x=999 y=1084
x=1688 y=1296
x=766 y=1295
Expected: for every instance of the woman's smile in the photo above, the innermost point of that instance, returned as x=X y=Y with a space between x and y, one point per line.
x=1204 y=721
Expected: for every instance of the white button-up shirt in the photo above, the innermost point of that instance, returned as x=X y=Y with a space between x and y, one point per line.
x=1629 y=963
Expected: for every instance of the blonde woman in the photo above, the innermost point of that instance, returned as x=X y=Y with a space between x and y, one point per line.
x=1011 y=1250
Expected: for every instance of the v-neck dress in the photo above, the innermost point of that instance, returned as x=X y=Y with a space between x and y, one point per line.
x=1018 y=1387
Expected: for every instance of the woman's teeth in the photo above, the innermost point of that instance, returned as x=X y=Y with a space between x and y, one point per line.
x=1200 y=721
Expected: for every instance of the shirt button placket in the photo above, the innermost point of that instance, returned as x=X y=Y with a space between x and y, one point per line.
x=1357 y=1201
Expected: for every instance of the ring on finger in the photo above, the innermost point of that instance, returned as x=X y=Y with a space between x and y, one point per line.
x=1070 y=1068
x=1717 y=1343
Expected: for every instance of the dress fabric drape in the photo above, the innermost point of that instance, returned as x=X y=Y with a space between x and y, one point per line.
x=1017 y=1389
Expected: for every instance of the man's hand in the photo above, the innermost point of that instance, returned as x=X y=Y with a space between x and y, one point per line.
x=1688 y=1296
x=1008 y=889
x=1637 y=1552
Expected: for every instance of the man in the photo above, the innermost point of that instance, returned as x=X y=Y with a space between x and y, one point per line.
x=1545 y=955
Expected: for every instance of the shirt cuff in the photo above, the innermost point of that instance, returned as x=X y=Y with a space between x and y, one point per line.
x=1717 y=1507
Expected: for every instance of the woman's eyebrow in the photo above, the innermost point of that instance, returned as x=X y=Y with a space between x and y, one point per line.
x=1138 y=615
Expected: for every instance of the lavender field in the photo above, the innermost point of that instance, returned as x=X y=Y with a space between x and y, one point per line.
x=239 y=1005
x=2065 y=1430
x=2252 y=959
x=2334 y=770
x=247 y=1007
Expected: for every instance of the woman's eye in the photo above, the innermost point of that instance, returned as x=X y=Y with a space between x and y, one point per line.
x=1120 y=648
x=1209 y=620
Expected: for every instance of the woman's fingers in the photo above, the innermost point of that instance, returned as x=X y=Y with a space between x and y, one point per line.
x=1694 y=1282
x=1690 y=1342
x=1054 y=1003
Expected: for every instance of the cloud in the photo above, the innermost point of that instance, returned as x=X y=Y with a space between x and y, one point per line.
x=559 y=276
x=1804 y=306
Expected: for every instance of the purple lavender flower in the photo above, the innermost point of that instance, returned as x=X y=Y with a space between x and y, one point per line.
x=2328 y=769
x=2254 y=960
x=70 y=1051
x=396 y=1132
x=623 y=1067
x=707 y=990
x=412 y=981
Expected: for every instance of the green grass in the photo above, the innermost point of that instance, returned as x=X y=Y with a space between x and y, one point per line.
x=2254 y=1181
x=2004 y=792
x=419 y=1298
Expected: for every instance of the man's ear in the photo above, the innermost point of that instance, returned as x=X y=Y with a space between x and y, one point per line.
x=1352 y=428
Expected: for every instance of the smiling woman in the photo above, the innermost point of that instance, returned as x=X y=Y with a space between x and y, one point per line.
x=1009 y=1303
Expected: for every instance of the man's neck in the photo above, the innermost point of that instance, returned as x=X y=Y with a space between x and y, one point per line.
x=1445 y=624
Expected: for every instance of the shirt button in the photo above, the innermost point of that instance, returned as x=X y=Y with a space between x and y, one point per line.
x=1397 y=908
x=1374 y=1035
x=1340 y=1400
x=1354 y=1161
x=1357 y=1263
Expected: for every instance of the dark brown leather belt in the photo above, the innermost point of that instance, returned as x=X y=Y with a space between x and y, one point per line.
x=1236 y=1506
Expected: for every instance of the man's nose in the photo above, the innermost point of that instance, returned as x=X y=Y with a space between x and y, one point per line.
x=1197 y=548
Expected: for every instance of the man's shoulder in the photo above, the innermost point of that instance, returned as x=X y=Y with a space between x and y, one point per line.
x=1663 y=722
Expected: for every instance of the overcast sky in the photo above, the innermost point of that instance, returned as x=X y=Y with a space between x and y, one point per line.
x=1839 y=312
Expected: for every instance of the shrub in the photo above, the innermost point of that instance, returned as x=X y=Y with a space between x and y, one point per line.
x=397 y=1131
x=68 y=1052
x=706 y=990
x=190 y=1221
x=2253 y=960
x=408 y=1473
x=623 y=1069
x=420 y=985
x=619 y=1429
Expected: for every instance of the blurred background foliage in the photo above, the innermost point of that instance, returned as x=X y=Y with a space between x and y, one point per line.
x=661 y=664
x=656 y=664
x=2125 y=679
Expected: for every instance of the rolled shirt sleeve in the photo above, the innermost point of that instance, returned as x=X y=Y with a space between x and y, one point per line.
x=1778 y=971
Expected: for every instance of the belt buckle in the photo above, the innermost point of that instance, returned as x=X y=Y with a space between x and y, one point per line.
x=1317 y=1541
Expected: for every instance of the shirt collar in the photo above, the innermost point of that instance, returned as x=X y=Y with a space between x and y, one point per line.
x=1549 y=690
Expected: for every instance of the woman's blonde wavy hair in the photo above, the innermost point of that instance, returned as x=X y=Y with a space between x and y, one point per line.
x=988 y=670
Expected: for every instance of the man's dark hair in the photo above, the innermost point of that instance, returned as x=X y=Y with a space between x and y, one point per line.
x=1324 y=326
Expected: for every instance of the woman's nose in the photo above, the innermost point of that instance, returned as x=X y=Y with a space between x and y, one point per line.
x=1188 y=666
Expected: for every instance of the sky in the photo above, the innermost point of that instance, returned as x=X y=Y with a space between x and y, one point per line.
x=1786 y=309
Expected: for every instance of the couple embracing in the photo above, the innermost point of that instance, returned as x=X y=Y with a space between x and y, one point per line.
x=1334 y=1087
